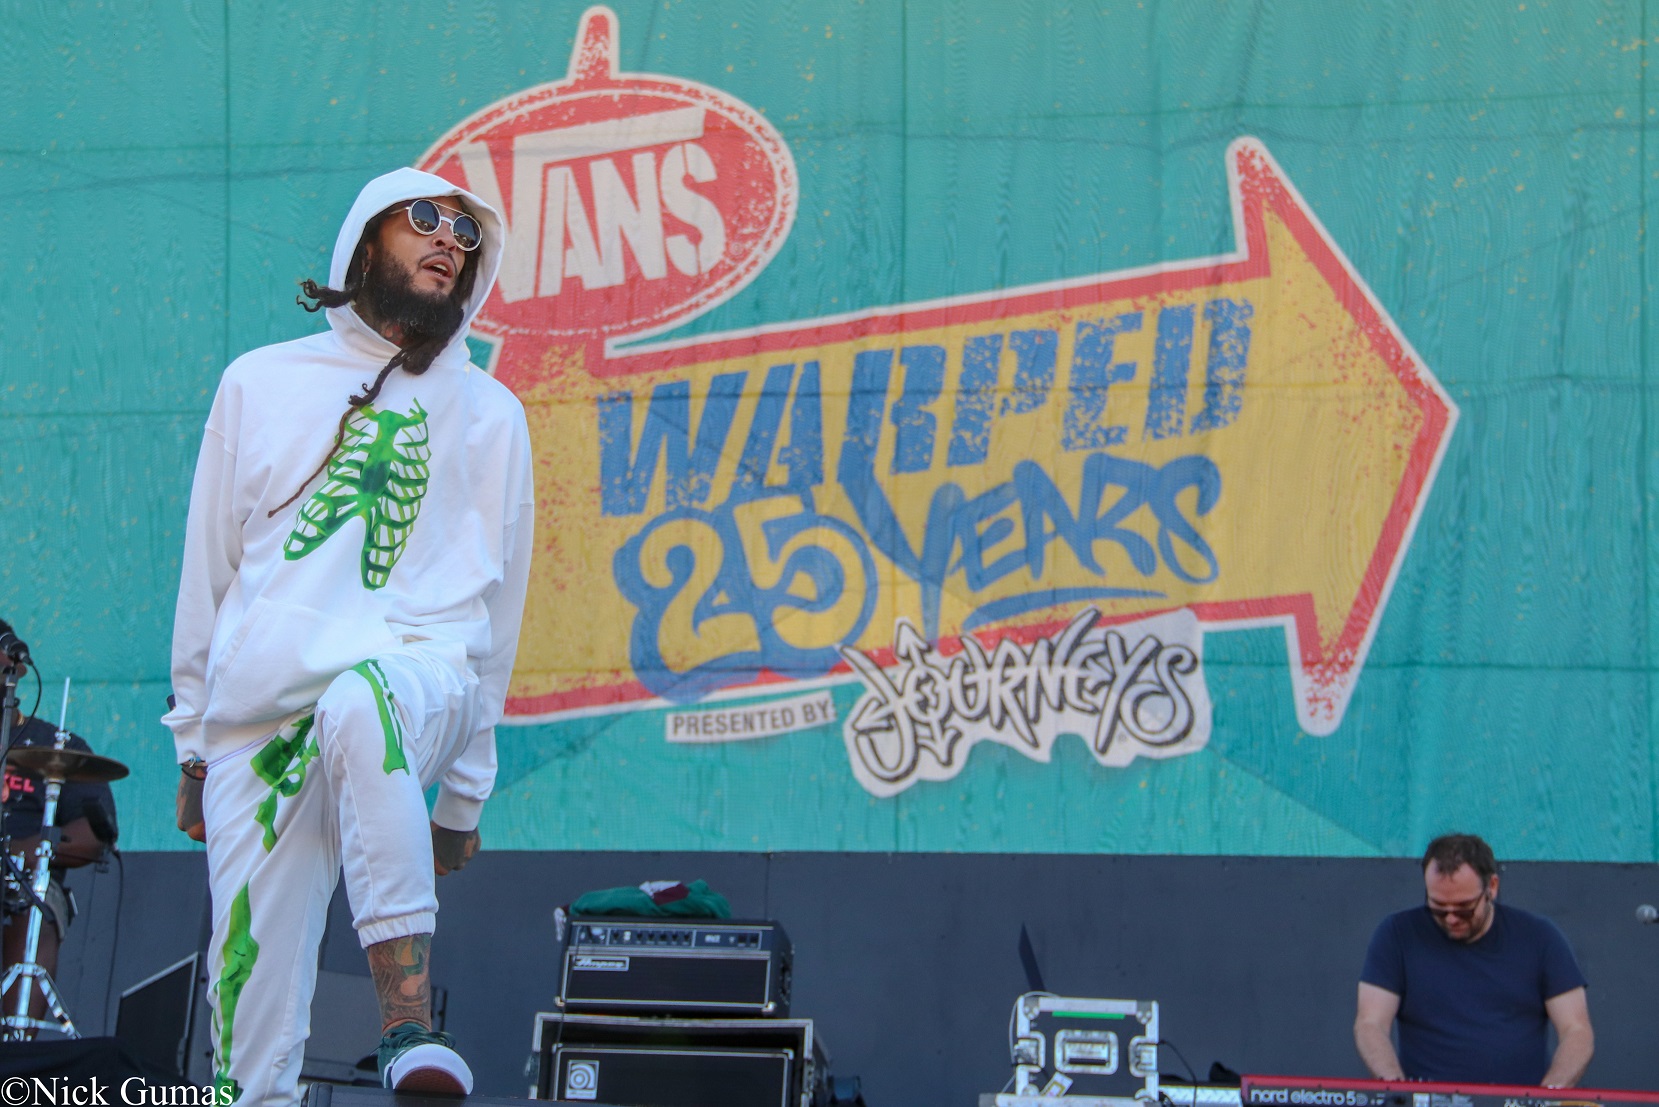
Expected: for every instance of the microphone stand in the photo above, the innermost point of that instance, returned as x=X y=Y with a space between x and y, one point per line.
x=10 y=675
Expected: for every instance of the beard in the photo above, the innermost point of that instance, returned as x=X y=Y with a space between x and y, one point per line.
x=390 y=294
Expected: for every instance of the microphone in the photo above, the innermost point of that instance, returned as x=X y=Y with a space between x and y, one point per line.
x=1647 y=913
x=11 y=646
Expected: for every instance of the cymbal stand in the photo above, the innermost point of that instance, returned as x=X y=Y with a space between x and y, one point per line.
x=18 y=1026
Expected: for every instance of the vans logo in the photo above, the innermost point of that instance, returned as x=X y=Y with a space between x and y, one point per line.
x=633 y=201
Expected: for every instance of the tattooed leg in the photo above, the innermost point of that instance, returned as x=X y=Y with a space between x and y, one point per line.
x=401 y=980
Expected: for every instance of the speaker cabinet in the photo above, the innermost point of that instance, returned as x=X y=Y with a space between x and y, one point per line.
x=672 y=1062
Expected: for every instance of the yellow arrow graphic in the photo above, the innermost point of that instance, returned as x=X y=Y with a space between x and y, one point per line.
x=1248 y=436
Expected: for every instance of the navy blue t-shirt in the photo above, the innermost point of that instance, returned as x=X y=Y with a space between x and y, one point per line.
x=1473 y=1011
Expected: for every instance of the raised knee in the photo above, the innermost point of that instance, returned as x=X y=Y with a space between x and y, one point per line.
x=347 y=695
x=361 y=702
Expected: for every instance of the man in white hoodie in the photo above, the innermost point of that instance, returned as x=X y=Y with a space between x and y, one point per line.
x=343 y=640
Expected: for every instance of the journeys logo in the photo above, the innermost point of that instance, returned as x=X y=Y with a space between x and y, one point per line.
x=1129 y=691
x=1245 y=438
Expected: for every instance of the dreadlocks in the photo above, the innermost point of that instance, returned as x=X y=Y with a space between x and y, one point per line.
x=427 y=325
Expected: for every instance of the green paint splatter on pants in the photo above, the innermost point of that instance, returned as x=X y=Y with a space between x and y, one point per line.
x=240 y=953
x=390 y=724
x=281 y=763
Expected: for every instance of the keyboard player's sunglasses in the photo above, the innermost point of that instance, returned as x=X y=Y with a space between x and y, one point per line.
x=1463 y=912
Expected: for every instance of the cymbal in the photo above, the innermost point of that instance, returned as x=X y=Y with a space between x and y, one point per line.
x=68 y=766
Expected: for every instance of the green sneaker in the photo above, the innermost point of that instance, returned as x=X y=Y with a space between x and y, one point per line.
x=415 y=1059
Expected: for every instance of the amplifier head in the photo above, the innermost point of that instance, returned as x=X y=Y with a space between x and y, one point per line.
x=675 y=966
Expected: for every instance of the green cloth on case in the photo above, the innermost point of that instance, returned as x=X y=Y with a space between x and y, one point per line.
x=699 y=902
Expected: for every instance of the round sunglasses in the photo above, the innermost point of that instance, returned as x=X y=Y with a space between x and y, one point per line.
x=426 y=217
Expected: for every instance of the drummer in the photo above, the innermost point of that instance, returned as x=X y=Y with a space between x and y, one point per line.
x=86 y=817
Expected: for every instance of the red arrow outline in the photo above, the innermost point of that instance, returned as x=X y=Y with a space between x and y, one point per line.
x=1322 y=683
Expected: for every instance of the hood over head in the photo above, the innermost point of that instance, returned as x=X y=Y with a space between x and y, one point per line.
x=411 y=184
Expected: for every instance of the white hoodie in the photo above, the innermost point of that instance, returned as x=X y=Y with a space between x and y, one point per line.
x=427 y=538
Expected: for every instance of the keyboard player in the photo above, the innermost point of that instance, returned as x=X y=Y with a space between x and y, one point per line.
x=1473 y=984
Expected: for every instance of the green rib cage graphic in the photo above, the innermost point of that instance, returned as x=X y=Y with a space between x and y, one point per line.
x=380 y=475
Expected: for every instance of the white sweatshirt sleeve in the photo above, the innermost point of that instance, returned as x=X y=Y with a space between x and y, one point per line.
x=212 y=554
x=469 y=781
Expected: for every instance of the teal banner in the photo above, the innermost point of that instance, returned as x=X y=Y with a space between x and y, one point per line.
x=1182 y=428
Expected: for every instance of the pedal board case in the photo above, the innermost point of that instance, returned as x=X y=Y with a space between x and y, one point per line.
x=1103 y=1049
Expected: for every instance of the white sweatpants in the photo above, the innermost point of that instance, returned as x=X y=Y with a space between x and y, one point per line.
x=342 y=787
